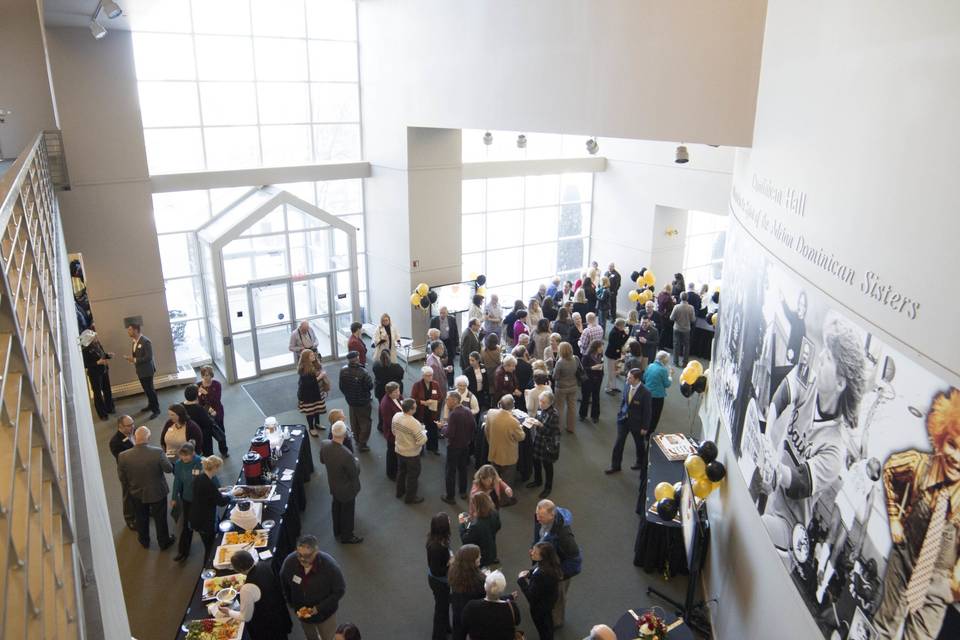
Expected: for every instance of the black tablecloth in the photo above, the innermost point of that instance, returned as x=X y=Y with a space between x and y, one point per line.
x=701 y=339
x=659 y=545
x=285 y=512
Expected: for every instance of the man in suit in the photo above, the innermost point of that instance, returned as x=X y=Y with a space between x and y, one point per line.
x=649 y=338
x=470 y=343
x=693 y=298
x=633 y=418
x=141 y=357
x=615 y=279
x=120 y=442
x=504 y=434
x=142 y=470
x=449 y=332
x=343 y=476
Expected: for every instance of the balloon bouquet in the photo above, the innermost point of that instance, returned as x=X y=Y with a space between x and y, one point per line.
x=706 y=473
x=423 y=296
x=645 y=281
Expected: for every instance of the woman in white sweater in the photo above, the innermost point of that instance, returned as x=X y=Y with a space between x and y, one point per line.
x=385 y=338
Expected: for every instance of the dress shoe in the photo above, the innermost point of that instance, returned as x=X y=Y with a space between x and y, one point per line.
x=464 y=496
x=180 y=557
x=352 y=540
x=416 y=500
x=612 y=392
x=153 y=415
x=103 y=416
x=145 y=545
x=145 y=409
x=596 y=420
x=314 y=433
x=224 y=455
x=364 y=448
x=544 y=493
x=132 y=526
x=170 y=541
x=448 y=500
x=636 y=467
x=534 y=484
x=611 y=470
x=436 y=453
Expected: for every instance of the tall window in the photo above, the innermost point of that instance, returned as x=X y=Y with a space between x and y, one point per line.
x=703 y=251
x=179 y=214
x=521 y=231
x=228 y=84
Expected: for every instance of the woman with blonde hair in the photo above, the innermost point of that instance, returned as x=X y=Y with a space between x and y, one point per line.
x=385 y=338
x=534 y=313
x=487 y=480
x=312 y=388
x=206 y=499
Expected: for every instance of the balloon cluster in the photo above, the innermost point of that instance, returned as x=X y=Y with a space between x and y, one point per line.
x=480 y=281
x=713 y=318
x=692 y=379
x=423 y=296
x=645 y=280
x=705 y=473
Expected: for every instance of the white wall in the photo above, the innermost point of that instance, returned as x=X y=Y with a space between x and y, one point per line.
x=108 y=214
x=855 y=104
x=24 y=81
x=642 y=192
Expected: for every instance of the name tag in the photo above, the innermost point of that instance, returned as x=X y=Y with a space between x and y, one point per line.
x=506 y=378
x=433 y=392
x=297 y=580
x=483 y=371
x=196 y=472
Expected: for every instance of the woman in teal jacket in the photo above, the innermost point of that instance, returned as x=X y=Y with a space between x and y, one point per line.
x=187 y=467
x=657 y=378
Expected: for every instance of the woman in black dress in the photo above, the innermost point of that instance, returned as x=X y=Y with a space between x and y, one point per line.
x=438 y=561
x=541 y=586
x=312 y=390
x=206 y=499
x=466 y=584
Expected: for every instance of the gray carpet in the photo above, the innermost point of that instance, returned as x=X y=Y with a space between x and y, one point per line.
x=387 y=592
x=277 y=395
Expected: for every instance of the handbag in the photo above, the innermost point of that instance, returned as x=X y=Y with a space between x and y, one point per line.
x=581 y=374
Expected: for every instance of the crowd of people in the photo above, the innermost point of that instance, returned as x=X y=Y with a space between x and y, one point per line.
x=497 y=396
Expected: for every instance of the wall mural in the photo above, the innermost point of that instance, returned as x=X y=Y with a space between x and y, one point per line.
x=850 y=450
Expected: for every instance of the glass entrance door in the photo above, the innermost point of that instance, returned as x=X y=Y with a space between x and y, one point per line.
x=272 y=322
x=312 y=301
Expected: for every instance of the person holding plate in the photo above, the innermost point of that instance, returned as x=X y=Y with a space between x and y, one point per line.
x=313 y=585
x=262 y=608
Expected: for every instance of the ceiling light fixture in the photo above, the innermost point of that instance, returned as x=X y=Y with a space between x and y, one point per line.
x=521 y=141
x=112 y=9
x=592 y=146
x=682 y=156
x=488 y=138
x=97 y=30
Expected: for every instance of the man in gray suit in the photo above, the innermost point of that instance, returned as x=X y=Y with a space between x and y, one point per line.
x=343 y=474
x=141 y=357
x=469 y=343
x=141 y=471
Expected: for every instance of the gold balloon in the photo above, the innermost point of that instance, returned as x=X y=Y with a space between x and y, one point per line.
x=664 y=490
x=481 y=291
x=713 y=319
x=640 y=282
x=649 y=278
x=415 y=299
x=473 y=275
x=423 y=289
x=634 y=295
x=695 y=466
x=702 y=488
x=696 y=367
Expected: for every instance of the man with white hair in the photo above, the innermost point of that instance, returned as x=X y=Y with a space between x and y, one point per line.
x=303 y=338
x=141 y=471
x=429 y=397
x=593 y=331
x=601 y=632
x=343 y=476
x=552 y=525
x=488 y=618
x=458 y=429
x=449 y=334
x=409 y=436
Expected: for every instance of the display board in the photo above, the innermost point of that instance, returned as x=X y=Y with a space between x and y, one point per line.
x=456 y=297
x=846 y=445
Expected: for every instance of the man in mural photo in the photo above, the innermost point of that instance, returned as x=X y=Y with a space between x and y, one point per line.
x=923 y=503
x=805 y=427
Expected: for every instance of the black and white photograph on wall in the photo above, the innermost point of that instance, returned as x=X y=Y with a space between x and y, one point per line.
x=850 y=451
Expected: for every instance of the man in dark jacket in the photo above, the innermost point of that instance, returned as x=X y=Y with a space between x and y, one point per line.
x=552 y=524
x=615 y=280
x=459 y=433
x=343 y=476
x=208 y=426
x=449 y=332
x=95 y=361
x=141 y=357
x=469 y=343
x=121 y=441
x=648 y=336
x=313 y=585
x=356 y=384
x=142 y=470
x=633 y=418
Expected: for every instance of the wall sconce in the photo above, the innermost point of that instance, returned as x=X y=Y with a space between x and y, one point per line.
x=672 y=231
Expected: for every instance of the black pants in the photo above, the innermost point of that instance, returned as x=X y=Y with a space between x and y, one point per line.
x=209 y=544
x=129 y=508
x=590 y=398
x=407 y=476
x=441 y=608
x=543 y=621
x=151 y=393
x=215 y=434
x=342 y=516
x=525 y=459
x=433 y=435
x=622 y=431
x=456 y=470
x=543 y=472
x=656 y=408
x=313 y=421
x=102 y=395
x=157 y=511
x=391 y=460
x=186 y=533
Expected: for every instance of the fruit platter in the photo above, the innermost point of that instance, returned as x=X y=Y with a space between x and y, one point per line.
x=214 y=629
x=211 y=586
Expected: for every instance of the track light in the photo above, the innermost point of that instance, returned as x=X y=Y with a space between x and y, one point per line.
x=592 y=146
x=682 y=156
x=521 y=141
x=488 y=138
x=97 y=30
x=112 y=9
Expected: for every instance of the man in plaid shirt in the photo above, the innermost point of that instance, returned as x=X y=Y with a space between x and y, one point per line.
x=593 y=331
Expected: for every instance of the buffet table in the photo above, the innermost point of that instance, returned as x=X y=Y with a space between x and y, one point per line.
x=659 y=545
x=701 y=339
x=285 y=512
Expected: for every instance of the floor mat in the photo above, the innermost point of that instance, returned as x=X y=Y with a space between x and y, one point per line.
x=278 y=395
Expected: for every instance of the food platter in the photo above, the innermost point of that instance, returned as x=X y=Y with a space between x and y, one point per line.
x=251 y=492
x=257 y=537
x=214 y=629
x=211 y=586
x=221 y=557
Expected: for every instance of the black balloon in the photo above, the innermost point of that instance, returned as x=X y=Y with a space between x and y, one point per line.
x=433 y=296
x=708 y=451
x=699 y=386
x=677 y=489
x=481 y=280
x=643 y=270
x=716 y=471
x=686 y=390
x=667 y=509
x=634 y=275
x=425 y=301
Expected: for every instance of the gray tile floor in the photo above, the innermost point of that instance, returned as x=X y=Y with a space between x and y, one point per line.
x=387 y=593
